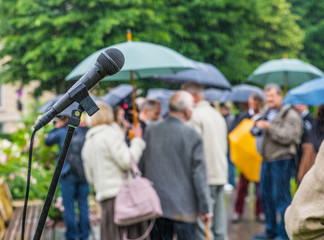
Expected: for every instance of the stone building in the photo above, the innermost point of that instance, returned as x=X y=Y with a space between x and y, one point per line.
x=10 y=114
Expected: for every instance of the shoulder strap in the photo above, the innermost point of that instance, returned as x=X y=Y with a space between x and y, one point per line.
x=145 y=235
x=135 y=168
x=286 y=111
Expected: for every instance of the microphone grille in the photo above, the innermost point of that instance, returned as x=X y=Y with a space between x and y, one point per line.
x=112 y=60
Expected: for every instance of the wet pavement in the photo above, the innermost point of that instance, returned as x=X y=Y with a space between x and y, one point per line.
x=248 y=226
x=242 y=230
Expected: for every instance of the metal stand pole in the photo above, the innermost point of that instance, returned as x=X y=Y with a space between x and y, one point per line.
x=73 y=123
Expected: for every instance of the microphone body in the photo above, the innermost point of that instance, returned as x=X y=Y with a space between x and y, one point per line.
x=108 y=63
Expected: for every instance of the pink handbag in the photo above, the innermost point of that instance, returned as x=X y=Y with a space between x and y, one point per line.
x=137 y=201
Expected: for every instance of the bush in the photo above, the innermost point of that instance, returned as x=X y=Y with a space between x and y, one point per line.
x=14 y=152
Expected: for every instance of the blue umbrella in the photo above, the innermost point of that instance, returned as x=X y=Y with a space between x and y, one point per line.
x=67 y=111
x=241 y=93
x=214 y=95
x=310 y=93
x=205 y=74
x=163 y=96
x=118 y=94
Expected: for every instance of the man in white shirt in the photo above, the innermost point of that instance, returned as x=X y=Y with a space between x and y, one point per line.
x=212 y=126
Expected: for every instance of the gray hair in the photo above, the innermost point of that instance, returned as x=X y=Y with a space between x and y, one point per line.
x=256 y=97
x=180 y=101
x=150 y=104
x=274 y=86
x=193 y=87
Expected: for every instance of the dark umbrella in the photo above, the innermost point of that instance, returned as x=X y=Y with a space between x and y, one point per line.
x=205 y=74
x=118 y=94
x=67 y=111
x=163 y=96
x=214 y=95
x=309 y=93
x=241 y=93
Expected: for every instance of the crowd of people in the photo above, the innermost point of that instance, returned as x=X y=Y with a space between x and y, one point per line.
x=187 y=158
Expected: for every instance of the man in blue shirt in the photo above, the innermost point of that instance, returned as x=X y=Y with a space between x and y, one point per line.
x=72 y=187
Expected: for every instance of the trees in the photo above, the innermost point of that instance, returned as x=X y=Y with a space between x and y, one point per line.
x=46 y=39
x=234 y=35
x=312 y=21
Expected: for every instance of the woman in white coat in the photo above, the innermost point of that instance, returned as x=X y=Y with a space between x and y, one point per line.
x=106 y=158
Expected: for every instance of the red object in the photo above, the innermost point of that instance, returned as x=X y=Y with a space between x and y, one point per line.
x=124 y=106
x=242 y=191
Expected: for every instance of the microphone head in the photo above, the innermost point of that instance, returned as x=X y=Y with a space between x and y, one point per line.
x=111 y=60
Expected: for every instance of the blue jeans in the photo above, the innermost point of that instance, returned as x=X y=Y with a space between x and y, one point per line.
x=275 y=194
x=75 y=189
x=165 y=228
x=231 y=171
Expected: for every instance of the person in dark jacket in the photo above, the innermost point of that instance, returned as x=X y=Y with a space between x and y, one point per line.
x=317 y=132
x=308 y=125
x=73 y=187
x=255 y=103
x=174 y=161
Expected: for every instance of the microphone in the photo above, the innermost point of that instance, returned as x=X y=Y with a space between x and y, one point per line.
x=108 y=63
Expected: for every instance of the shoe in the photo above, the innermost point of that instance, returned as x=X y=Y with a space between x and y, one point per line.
x=236 y=217
x=264 y=236
x=260 y=218
x=228 y=188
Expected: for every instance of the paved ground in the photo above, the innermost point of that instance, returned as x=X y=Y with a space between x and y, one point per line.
x=248 y=227
x=243 y=230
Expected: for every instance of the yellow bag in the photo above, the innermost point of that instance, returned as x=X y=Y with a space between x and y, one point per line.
x=243 y=150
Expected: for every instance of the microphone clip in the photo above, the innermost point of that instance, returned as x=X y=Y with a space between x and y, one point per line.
x=80 y=95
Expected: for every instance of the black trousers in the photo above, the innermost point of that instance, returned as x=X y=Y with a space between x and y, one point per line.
x=164 y=229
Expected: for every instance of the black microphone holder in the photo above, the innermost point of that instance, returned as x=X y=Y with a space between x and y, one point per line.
x=79 y=94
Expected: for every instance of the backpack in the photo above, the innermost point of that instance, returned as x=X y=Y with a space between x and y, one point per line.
x=74 y=157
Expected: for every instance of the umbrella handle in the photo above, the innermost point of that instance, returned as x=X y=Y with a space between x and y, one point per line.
x=207 y=231
x=133 y=98
x=131 y=134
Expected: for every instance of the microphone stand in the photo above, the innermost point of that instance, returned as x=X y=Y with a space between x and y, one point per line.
x=79 y=94
x=73 y=123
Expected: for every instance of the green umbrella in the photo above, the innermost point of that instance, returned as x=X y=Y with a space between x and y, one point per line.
x=145 y=59
x=285 y=72
x=142 y=60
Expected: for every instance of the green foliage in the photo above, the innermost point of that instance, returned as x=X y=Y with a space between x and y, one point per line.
x=46 y=39
x=237 y=36
x=311 y=20
x=14 y=162
x=314 y=42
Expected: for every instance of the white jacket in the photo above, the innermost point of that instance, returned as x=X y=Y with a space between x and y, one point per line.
x=106 y=157
x=211 y=124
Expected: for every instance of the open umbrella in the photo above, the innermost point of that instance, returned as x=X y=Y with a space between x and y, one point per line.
x=163 y=96
x=285 y=72
x=310 y=93
x=205 y=74
x=214 y=95
x=241 y=93
x=142 y=60
x=243 y=150
x=115 y=96
x=145 y=59
x=65 y=112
